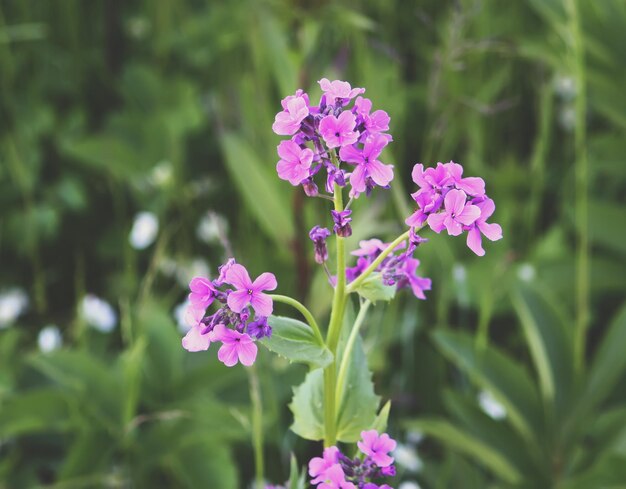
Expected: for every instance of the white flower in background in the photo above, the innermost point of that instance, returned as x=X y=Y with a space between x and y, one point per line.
x=567 y=118
x=526 y=272
x=210 y=227
x=180 y=314
x=161 y=174
x=459 y=273
x=13 y=302
x=409 y=485
x=565 y=87
x=98 y=313
x=144 y=231
x=198 y=267
x=49 y=339
x=415 y=437
x=490 y=406
x=406 y=456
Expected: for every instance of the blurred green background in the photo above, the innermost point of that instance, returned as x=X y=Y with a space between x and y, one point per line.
x=510 y=375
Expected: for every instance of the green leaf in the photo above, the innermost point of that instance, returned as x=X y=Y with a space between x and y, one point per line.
x=307 y=407
x=550 y=344
x=506 y=379
x=380 y=423
x=467 y=444
x=358 y=403
x=374 y=289
x=297 y=477
x=296 y=341
x=259 y=189
x=35 y=411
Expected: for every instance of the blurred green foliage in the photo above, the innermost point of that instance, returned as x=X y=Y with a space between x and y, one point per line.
x=108 y=108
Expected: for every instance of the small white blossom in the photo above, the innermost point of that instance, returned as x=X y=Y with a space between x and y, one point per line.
x=49 y=339
x=98 y=313
x=409 y=485
x=565 y=87
x=144 y=231
x=161 y=174
x=210 y=227
x=180 y=314
x=526 y=272
x=459 y=273
x=490 y=406
x=406 y=456
x=415 y=437
x=13 y=303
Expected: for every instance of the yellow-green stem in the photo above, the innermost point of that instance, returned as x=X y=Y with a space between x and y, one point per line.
x=332 y=337
x=304 y=311
x=347 y=352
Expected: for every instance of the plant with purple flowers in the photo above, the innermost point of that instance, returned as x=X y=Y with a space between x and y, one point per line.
x=342 y=136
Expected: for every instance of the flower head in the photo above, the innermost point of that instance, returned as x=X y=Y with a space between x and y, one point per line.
x=295 y=163
x=249 y=292
x=342 y=221
x=289 y=120
x=377 y=447
x=236 y=347
x=338 y=91
x=368 y=168
x=481 y=226
x=339 y=131
x=202 y=292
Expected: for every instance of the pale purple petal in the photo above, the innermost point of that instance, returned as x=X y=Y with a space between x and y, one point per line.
x=453 y=226
x=474 y=186
x=455 y=201
x=474 y=241
x=380 y=173
x=284 y=124
x=195 y=341
x=374 y=146
x=487 y=208
x=238 y=299
x=265 y=281
x=346 y=122
x=247 y=351
x=227 y=354
x=491 y=231
x=468 y=215
x=436 y=221
x=357 y=179
x=238 y=276
x=262 y=303
x=351 y=154
x=288 y=150
x=378 y=121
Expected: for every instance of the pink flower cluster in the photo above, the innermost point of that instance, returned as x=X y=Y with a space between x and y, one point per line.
x=398 y=268
x=334 y=470
x=236 y=303
x=331 y=131
x=447 y=200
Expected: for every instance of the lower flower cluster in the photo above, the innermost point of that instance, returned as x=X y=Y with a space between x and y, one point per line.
x=334 y=470
x=240 y=319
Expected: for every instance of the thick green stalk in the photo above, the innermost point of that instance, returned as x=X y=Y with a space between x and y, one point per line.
x=581 y=174
x=374 y=265
x=304 y=311
x=347 y=352
x=332 y=337
x=257 y=426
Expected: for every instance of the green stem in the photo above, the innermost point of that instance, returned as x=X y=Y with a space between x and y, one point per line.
x=345 y=359
x=581 y=178
x=257 y=426
x=332 y=337
x=374 y=265
x=290 y=301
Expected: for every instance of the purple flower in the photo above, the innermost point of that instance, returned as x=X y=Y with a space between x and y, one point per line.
x=339 y=131
x=259 y=328
x=377 y=447
x=202 y=292
x=458 y=213
x=410 y=279
x=310 y=188
x=338 y=90
x=236 y=347
x=248 y=292
x=473 y=186
x=378 y=121
x=342 y=221
x=222 y=270
x=288 y=121
x=319 y=465
x=195 y=340
x=491 y=231
x=335 y=176
x=353 y=272
x=295 y=163
x=368 y=166
x=318 y=235
x=369 y=247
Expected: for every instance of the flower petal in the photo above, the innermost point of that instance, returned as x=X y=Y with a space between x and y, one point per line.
x=195 y=341
x=380 y=173
x=262 y=303
x=468 y=215
x=227 y=354
x=436 y=221
x=238 y=299
x=474 y=241
x=237 y=275
x=455 y=201
x=247 y=352
x=265 y=281
x=492 y=231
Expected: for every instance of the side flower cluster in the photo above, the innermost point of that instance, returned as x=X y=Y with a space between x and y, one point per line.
x=324 y=135
x=447 y=200
x=398 y=268
x=334 y=470
x=240 y=318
